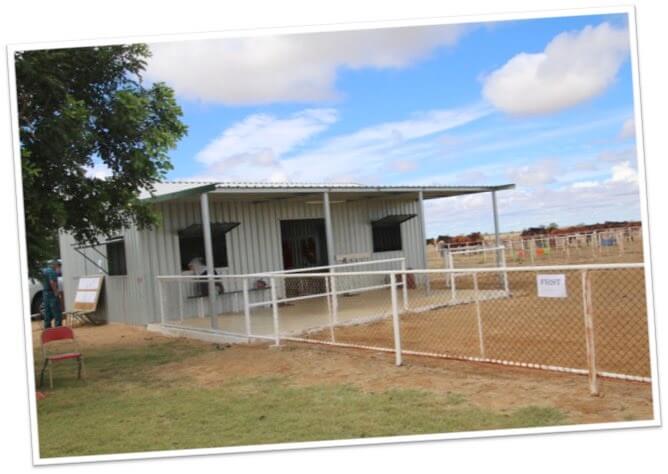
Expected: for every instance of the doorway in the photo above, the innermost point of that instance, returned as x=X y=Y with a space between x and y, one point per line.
x=304 y=245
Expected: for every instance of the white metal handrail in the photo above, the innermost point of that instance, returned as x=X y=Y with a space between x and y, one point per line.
x=584 y=266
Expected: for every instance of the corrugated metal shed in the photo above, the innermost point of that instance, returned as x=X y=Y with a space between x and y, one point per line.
x=255 y=245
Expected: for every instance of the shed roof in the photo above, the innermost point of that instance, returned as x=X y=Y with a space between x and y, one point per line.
x=172 y=190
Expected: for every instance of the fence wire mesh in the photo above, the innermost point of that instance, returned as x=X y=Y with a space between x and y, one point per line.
x=505 y=316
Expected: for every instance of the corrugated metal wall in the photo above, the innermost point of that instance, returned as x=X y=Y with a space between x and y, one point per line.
x=253 y=247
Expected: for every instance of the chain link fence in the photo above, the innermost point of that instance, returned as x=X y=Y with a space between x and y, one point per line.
x=582 y=319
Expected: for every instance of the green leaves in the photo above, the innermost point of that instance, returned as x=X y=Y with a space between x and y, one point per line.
x=80 y=107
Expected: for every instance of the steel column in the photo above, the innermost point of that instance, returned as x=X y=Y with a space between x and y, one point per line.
x=423 y=236
x=208 y=256
x=329 y=233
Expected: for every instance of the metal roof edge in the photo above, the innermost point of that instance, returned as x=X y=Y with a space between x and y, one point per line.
x=205 y=188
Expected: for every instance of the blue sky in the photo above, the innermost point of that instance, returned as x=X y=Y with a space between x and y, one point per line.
x=546 y=104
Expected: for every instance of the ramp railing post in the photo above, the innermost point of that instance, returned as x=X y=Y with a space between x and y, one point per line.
x=274 y=311
x=396 y=327
x=181 y=300
x=328 y=295
x=162 y=303
x=589 y=331
x=247 y=322
x=404 y=288
x=335 y=300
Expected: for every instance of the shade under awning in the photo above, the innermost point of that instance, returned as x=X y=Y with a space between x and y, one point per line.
x=393 y=219
x=195 y=230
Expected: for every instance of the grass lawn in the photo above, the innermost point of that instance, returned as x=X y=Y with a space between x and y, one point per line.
x=123 y=406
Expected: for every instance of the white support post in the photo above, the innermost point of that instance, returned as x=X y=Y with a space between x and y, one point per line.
x=620 y=242
x=404 y=287
x=476 y=296
x=181 y=300
x=162 y=303
x=329 y=232
x=497 y=237
x=274 y=311
x=208 y=255
x=247 y=321
x=423 y=237
x=589 y=331
x=396 y=327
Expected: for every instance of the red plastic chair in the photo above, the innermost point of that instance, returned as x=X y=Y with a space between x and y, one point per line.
x=61 y=333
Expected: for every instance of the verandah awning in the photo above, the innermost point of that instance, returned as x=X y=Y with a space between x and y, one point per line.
x=393 y=219
x=217 y=228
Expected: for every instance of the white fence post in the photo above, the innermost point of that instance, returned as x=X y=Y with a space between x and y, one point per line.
x=451 y=265
x=476 y=296
x=395 y=320
x=532 y=250
x=247 y=321
x=335 y=300
x=505 y=274
x=404 y=288
x=589 y=331
x=162 y=303
x=328 y=295
x=274 y=310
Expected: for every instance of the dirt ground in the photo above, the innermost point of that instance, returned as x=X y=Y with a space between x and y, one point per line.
x=489 y=386
x=525 y=328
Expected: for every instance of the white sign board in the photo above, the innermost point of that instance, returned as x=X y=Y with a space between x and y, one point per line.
x=89 y=283
x=85 y=297
x=551 y=286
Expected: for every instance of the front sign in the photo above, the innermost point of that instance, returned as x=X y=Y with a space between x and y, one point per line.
x=551 y=286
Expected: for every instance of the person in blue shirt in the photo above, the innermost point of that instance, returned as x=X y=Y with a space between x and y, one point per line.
x=51 y=295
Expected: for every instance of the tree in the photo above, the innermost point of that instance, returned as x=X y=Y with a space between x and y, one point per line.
x=82 y=107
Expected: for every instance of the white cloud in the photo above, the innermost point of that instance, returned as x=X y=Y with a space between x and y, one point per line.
x=261 y=138
x=585 y=184
x=237 y=71
x=404 y=166
x=574 y=67
x=536 y=174
x=628 y=129
x=365 y=155
x=624 y=173
x=614 y=156
x=524 y=207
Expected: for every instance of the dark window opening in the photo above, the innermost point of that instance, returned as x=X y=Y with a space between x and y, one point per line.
x=116 y=263
x=191 y=244
x=386 y=232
